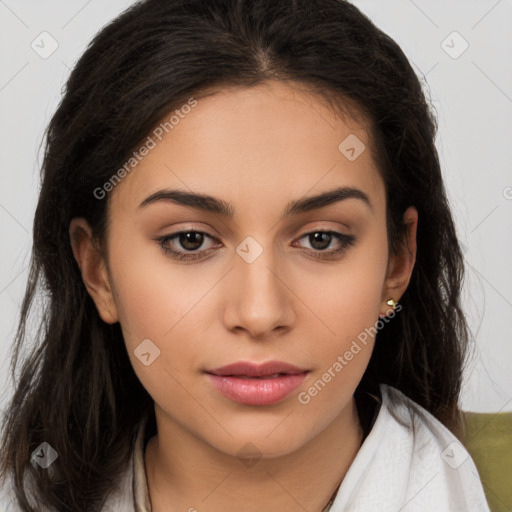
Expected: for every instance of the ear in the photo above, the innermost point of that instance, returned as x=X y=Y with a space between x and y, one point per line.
x=93 y=268
x=401 y=264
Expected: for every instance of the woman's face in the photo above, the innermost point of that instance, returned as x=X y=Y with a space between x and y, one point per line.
x=259 y=284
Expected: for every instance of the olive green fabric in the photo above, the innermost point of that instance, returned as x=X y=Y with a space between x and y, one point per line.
x=488 y=439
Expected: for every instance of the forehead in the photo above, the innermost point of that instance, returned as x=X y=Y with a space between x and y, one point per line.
x=272 y=141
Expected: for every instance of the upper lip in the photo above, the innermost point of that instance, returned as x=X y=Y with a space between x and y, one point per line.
x=257 y=370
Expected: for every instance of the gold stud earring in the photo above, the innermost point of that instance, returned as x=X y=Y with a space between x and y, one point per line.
x=392 y=303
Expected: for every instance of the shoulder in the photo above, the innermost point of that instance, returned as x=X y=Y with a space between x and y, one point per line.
x=119 y=499
x=427 y=434
x=410 y=462
x=440 y=467
x=413 y=419
x=7 y=498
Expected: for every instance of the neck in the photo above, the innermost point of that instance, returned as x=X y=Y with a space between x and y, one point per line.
x=185 y=473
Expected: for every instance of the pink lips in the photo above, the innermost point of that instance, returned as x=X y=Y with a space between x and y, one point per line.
x=257 y=384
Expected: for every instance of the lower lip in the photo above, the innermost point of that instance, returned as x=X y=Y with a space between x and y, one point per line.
x=256 y=391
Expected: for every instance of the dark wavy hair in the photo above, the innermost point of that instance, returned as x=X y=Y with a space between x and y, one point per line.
x=76 y=388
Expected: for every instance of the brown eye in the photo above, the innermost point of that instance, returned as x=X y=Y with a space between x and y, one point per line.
x=184 y=244
x=191 y=240
x=321 y=240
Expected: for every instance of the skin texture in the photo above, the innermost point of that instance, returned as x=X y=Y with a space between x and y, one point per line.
x=257 y=149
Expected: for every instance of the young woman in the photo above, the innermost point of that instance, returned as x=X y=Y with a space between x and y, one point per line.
x=251 y=275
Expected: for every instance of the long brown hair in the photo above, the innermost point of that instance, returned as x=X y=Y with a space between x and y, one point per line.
x=75 y=388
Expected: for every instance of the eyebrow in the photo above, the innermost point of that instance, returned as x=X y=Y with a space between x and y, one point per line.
x=218 y=206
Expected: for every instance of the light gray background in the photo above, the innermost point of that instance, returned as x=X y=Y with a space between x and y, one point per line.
x=472 y=94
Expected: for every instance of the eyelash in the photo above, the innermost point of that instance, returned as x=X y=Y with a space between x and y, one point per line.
x=345 y=240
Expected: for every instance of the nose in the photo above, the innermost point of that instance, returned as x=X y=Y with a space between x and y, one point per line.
x=259 y=300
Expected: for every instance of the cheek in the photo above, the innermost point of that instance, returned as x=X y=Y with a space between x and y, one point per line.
x=346 y=298
x=348 y=308
x=162 y=302
x=152 y=294
x=155 y=308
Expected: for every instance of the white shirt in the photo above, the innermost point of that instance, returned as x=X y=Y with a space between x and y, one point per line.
x=409 y=462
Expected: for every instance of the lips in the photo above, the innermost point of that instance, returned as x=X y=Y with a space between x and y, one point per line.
x=257 y=384
x=269 y=369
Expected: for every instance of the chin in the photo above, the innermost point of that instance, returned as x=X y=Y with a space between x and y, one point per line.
x=265 y=440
